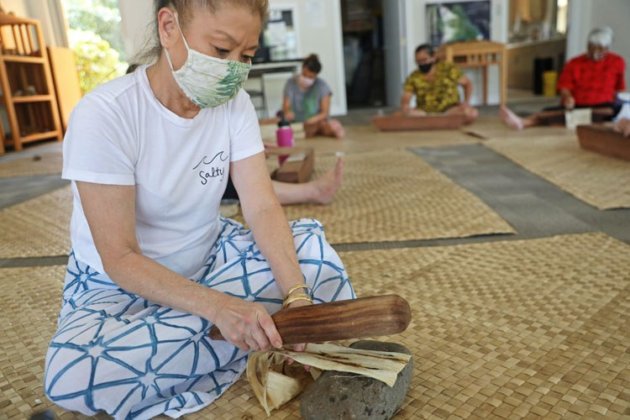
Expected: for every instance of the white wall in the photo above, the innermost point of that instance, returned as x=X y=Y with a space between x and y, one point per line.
x=319 y=31
x=136 y=24
x=16 y=6
x=585 y=15
x=416 y=35
x=395 y=34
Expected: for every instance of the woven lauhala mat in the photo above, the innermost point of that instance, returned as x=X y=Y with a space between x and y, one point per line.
x=43 y=164
x=37 y=227
x=533 y=328
x=364 y=138
x=601 y=181
x=511 y=329
x=30 y=301
x=393 y=195
x=491 y=127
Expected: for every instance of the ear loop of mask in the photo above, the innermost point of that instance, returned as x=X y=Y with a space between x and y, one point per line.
x=168 y=55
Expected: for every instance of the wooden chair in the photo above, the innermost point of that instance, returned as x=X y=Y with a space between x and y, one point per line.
x=479 y=54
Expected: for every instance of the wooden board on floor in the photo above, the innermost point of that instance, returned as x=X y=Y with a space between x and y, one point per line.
x=429 y=122
x=604 y=140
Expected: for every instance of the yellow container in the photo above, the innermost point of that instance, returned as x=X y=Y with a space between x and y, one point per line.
x=550 y=78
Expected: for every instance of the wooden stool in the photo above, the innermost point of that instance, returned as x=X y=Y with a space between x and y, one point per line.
x=604 y=140
x=479 y=54
x=430 y=122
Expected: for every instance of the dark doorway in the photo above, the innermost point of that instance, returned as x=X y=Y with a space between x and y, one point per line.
x=364 y=55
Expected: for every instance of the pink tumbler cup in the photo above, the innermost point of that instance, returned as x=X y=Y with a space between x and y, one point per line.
x=284 y=138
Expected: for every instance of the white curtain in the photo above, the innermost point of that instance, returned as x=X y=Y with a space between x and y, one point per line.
x=51 y=15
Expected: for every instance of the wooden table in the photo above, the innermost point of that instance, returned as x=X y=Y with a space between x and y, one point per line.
x=479 y=54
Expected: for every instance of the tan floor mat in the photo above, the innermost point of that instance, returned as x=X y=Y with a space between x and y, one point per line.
x=393 y=195
x=491 y=127
x=37 y=227
x=601 y=181
x=503 y=329
x=365 y=138
x=534 y=328
x=39 y=164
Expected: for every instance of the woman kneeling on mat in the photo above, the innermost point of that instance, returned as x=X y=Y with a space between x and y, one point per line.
x=153 y=265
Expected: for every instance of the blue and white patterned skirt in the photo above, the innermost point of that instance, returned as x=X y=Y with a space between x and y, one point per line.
x=117 y=352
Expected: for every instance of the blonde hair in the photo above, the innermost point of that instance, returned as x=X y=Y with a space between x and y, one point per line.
x=185 y=9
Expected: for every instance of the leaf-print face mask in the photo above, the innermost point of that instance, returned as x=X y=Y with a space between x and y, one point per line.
x=208 y=81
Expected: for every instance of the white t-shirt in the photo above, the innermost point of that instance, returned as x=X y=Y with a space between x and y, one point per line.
x=120 y=134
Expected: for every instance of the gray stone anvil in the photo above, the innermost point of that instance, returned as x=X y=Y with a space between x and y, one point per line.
x=345 y=396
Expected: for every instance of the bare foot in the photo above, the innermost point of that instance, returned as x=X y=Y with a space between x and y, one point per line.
x=326 y=186
x=623 y=126
x=337 y=129
x=415 y=113
x=510 y=119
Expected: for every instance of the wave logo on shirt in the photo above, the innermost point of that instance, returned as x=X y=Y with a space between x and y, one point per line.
x=209 y=168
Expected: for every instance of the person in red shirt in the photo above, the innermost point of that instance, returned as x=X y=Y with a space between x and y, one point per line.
x=591 y=80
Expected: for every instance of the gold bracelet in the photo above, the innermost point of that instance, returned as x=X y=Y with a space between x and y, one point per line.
x=295 y=295
x=298 y=287
x=290 y=300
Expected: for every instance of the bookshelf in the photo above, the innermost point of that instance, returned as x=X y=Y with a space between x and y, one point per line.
x=28 y=94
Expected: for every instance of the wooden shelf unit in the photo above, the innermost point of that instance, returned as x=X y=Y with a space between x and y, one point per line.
x=28 y=93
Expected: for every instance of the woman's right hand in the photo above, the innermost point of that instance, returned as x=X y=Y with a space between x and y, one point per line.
x=247 y=325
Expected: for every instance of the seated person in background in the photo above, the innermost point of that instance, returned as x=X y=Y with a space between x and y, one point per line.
x=590 y=80
x=307 y=100
x=623 y=126
x=435 y=85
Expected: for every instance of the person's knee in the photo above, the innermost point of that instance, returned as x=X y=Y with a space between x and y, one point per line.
x=307 y=225
x=63 y=379
x=308 y=236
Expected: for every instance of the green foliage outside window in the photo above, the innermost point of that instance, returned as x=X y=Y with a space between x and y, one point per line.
x=96 y=61
x=96 y=40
